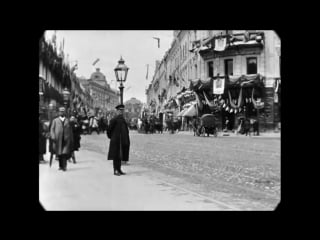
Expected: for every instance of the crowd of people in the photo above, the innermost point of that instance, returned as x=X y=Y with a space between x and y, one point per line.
x=64 y=135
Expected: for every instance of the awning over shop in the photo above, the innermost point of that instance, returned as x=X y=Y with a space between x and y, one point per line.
x=180 y=114
x=191 y=111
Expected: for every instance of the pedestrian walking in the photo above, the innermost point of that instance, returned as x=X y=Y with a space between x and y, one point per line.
x=51 y=148
x=62 y=137
x=118 y=133
x=42 y=140
x=94 y=126
x=76 y=130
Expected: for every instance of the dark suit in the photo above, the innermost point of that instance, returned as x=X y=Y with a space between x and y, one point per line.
x=118 y=133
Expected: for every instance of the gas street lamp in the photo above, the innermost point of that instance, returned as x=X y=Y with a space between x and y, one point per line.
x=121 y=72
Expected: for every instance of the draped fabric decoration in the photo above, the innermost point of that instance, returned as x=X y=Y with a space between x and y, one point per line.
x=200 y=105
x=239 y=100
x=54 y=62
x=211 y=104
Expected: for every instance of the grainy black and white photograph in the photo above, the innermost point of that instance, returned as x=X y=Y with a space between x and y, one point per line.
x=158 y=120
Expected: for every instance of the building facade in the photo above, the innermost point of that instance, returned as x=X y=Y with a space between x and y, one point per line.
x=133 y=108
x=55 y=74
x=104 y=97
x=200 y=57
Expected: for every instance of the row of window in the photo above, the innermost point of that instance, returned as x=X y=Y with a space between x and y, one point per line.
x=228 y=67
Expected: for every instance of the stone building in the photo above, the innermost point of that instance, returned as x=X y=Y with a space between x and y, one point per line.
x=104 y=97
x=133 y=108
x=245 y=59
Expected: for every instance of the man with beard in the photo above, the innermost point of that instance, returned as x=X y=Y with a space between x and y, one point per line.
x=62 y=137
x=118 y=133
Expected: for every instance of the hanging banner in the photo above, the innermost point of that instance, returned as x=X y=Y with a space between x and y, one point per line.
x=220 y=44
x=218 y=86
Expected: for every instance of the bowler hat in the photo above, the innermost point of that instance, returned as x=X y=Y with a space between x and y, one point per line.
x=120 y=106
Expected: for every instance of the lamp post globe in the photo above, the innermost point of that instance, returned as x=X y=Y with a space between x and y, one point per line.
x=121 y=72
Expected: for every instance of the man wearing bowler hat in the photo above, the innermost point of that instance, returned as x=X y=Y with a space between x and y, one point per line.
x=119 y=146
x=62 y=138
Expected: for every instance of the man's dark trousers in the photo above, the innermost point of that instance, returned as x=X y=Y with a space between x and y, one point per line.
x=63 y=161
x=117 y=164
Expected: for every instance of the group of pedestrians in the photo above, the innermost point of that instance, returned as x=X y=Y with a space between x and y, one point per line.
x=64 y=138
x=65 y=134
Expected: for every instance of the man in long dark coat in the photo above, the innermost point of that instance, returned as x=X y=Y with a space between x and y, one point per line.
x=76 y=136
x=62 y=137
x=119 y=147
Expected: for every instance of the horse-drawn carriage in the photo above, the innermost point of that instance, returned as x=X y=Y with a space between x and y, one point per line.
x=206 y=125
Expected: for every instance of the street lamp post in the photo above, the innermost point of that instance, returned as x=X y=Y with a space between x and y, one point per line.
x=121 y=72
x=66 y=95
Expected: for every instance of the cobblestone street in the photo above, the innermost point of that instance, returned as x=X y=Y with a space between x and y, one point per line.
x=235 y=172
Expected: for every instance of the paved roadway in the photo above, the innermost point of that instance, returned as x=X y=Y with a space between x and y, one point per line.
x=168 y=172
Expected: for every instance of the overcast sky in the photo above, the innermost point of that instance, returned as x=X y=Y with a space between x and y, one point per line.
x=137 y=48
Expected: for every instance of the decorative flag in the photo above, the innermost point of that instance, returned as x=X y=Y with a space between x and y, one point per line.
x=94 y=63
x=218 y=86
x=158 y=39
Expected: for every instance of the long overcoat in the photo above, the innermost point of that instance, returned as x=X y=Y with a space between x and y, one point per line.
x=51 y=148
x=76 y=135
x=62 y=136
x=42 y=138
x=118 y=133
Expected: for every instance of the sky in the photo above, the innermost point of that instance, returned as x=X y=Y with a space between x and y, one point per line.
x=137 y=48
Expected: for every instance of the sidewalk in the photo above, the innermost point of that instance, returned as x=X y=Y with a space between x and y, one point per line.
x=90 y=185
